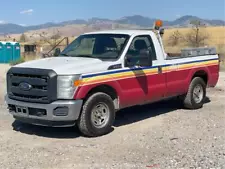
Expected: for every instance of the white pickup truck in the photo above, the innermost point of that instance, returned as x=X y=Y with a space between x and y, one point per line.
x=102 y=72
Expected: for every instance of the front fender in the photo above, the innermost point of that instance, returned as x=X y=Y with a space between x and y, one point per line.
x=93 y=82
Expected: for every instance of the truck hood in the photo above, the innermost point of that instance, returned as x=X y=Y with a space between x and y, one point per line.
x=68 y=65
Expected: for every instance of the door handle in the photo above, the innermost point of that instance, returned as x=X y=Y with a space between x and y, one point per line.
x=159 y=69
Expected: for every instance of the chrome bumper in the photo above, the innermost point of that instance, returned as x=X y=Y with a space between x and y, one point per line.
x=48 y=116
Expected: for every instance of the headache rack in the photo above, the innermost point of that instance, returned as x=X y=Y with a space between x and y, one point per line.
x=201 y=51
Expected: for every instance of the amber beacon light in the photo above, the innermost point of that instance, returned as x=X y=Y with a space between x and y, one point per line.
x=158 y=24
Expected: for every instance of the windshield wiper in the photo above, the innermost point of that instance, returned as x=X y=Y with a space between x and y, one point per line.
x=87 y=56
x=63 y=54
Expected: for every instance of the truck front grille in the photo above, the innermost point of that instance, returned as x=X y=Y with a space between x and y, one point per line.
x=41 y=83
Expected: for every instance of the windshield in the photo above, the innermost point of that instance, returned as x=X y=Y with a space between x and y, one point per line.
x=102 y=46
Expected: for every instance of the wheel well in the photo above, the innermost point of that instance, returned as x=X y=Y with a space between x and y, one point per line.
x=107 y=90
x=201 y=74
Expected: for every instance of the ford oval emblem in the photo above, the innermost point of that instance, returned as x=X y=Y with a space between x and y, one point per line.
x=25 y=86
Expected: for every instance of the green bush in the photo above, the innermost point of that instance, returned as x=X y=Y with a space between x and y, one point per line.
x=21 y=60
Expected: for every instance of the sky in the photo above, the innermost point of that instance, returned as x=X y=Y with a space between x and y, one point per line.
x=31 y=12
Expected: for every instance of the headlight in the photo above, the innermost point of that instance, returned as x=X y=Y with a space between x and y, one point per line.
x=66 y=86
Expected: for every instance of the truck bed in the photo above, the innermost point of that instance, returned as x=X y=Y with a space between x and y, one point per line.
x=182 y=57
x=191 y=53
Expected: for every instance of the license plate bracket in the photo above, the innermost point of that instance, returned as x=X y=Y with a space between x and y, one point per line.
x=22 y=110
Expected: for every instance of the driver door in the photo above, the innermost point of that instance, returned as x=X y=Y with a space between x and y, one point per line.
x=135 y=85
x=146 y=83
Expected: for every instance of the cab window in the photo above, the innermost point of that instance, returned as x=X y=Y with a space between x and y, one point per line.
x=140 y=43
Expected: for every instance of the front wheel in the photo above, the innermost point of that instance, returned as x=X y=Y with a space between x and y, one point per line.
x=97 y=116
x=196 y=94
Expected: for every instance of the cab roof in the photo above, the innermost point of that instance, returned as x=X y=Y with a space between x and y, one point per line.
x=123 y=31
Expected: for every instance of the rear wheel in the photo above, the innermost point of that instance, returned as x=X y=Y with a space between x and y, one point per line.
x=97 y=116
x=196 y=94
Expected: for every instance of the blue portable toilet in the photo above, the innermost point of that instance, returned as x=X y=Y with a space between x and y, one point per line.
x=8 y=52
x=2 y=52
x=16 y=51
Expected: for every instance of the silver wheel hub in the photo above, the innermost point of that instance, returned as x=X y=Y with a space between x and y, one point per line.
x=198 y=94
x=100 y=115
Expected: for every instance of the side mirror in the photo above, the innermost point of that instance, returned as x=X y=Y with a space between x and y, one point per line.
x=143 y=59
x=161 y=32
x=130 y=61
x=57 y=52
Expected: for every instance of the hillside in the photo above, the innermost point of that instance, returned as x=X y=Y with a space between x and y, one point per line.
x=101 y=23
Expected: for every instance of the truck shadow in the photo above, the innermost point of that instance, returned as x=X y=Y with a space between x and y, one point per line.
x=142 y=80
x=123 y=117
x=49 y=132
x=139 y=113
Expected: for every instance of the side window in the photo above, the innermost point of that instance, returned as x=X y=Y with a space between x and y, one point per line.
x=143 y=42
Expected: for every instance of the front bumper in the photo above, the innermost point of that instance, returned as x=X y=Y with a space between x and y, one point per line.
x=45 y=114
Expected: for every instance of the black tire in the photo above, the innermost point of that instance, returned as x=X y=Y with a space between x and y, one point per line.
x=189 y=101
x=85 y=123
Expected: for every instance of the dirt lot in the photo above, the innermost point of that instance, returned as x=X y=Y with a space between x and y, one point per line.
x=160 y=135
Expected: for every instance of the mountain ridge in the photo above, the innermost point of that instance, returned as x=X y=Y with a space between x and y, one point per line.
x=138 y=20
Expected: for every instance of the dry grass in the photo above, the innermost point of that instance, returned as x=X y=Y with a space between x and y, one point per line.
x=216 y=38
x=217 y=35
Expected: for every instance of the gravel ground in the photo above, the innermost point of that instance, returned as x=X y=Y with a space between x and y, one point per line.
x=157 y=136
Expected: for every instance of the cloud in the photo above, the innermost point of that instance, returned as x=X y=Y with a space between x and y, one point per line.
x=29 y=11
x=23 y=25
x=2 y=22
x=178 y=15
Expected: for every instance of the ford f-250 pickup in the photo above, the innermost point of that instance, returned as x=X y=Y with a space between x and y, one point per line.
x=102 y=72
